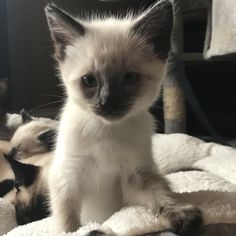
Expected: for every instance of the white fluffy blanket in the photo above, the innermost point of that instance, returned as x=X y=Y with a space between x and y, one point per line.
x=213 y=190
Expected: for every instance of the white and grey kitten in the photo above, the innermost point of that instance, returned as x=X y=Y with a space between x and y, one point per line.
x=112 y=70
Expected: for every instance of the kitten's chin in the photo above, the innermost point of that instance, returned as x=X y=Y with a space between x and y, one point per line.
x=118 y=116
x=111 y=119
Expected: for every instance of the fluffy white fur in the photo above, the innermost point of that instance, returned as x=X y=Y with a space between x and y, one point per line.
x=211 y=190
x=93 y=157
x=101 y=164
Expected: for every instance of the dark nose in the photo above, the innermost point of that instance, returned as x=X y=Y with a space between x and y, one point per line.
x=103 y=101
x=107 y=104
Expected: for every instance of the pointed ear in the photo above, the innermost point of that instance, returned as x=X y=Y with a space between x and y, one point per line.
x=156 y=26
x=64 y=29
x=25 y=116
x=48 y=138
x=24 y=173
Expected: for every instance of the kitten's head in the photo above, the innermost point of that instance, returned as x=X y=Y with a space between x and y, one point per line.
x=35 y=136
x=112 y=67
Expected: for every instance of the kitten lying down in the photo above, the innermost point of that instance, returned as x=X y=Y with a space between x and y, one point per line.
x=112 y=70
x=34 y=136
x=23 y=174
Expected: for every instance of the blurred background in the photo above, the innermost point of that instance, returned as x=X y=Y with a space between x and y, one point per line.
x=27 y=74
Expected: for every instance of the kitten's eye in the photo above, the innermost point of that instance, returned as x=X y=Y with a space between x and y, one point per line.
x=130 y=78
x=89 y=81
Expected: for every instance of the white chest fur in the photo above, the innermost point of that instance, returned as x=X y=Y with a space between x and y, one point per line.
x=92 y=157
x=83 y=135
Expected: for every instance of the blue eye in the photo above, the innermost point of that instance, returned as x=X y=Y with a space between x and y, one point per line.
x=130 y=78
x=89 y=81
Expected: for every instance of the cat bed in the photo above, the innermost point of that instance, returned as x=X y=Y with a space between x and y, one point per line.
x=221 y=30
x=7 y=217
x=211 y=185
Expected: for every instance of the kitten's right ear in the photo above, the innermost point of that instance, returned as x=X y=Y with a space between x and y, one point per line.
x=25 y=116
x=64 y=29
x=155 y=25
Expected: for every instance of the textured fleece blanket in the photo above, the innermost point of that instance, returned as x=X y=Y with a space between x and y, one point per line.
x=211 y=185
x=221 y=30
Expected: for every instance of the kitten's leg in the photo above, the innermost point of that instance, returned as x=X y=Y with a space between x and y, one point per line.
x=65 y=204
x=143 y=186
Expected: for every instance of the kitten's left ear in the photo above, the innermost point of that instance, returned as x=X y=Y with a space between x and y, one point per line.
x=26 y=117
x=64 y=29
x=155 y=25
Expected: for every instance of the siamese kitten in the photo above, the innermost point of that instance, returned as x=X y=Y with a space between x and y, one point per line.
x=30 y=193
x=35 y=136
x=12 y=122
x=112 y=70
x=24 y=183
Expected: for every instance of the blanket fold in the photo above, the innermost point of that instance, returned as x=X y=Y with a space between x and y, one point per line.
x=211 y=187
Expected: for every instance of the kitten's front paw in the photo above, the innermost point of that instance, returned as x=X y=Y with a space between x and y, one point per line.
x=184 y=219
x=96 y=233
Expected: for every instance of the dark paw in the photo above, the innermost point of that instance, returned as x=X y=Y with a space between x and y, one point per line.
x=186 y=222
x=96 y=233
